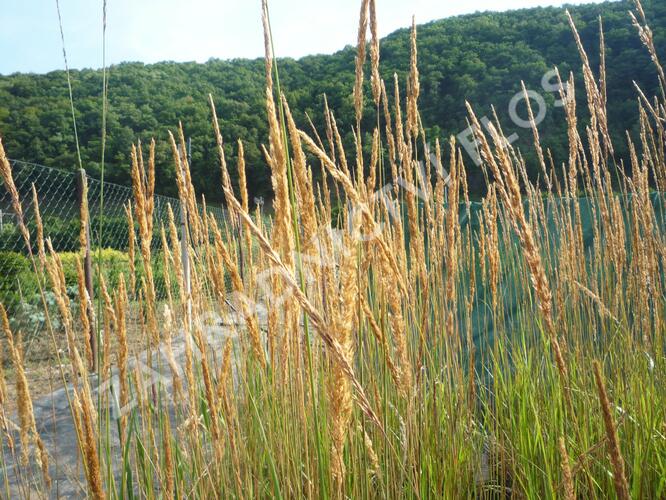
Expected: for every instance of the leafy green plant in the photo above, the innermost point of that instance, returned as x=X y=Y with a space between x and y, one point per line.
x=17 y=280
x=114 y=262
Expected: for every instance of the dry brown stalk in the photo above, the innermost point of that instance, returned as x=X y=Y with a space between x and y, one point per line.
x=121 y=306
x=143 y=188
x=597 y=300
x=359 y=204
x=340 y=391
x=619 y=478
x=509 y=190
x=452 y=238
x=374 y=161
x=492 y=243
x=306 y=202
x=226 y=179
x=228 y=409
x=413 y=88
x=602 y=65
x=646 y=36
x=567 y=477
x=283 y=230
x=382 y=339
x=401 y=147
x=238 y=286
x=390 y=139
x=3 y=382
x=317 y=320
x=537 y=141
x=168 y=480
x=242 y=180
x=84 y=214
x=375 y=78
x=193 y=214
x=169 y=354
x=131 y=248
x=268 y=45
x=375 y=467
x=360 y=62
x=208 y=388
x=28 y=428
x=57 y=278
x=90 y=456
x=176 y=254
x=110 y=321
x=85 y=309
x=599 y=122
x=40 y=227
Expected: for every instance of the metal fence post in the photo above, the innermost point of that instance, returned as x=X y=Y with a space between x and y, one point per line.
x=87 y=268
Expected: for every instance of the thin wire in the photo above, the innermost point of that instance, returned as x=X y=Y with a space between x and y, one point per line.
x=105 y=88
x=101 y=219
x=100 y=223
x=69 y=85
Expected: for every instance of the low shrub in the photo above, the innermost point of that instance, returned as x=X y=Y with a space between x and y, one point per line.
x=17 y=280
x=113 y=263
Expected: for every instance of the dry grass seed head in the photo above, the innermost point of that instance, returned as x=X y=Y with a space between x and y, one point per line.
x=619 y=478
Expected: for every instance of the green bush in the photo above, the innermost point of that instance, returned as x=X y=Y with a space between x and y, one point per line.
x=10 y=238
x=114 y=262
x=17 y=280
x=19 y=290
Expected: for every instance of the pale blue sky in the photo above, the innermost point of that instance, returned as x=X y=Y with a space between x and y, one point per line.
x=196 y=30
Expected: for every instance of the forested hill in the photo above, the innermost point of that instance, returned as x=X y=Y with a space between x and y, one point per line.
x=481 y=58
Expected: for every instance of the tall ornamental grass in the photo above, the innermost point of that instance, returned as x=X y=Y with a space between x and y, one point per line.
x=414 y=344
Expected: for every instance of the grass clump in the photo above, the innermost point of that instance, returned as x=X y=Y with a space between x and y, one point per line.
x=418 y=345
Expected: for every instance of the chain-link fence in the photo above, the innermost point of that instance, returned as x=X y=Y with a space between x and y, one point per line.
x=59 y=195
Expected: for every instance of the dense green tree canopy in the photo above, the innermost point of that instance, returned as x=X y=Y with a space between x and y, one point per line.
x=480 y=58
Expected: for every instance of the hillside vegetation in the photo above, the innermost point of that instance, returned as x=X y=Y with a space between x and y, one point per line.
x=480 y=58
